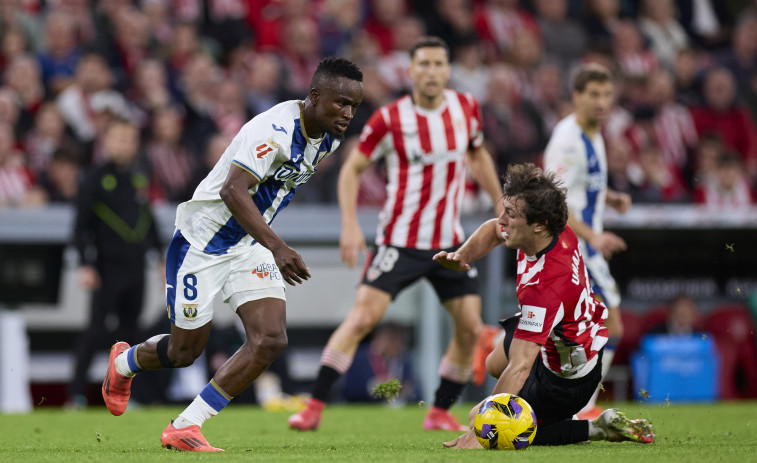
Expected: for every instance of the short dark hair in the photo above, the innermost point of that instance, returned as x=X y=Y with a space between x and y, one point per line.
x=542 y=194
x=591 y=72
x=331 y=67
x=429 y=41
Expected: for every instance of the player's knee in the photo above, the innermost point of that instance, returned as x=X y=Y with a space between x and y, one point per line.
x=469 y=333
x=183 y=356
x=270 y=346
x=363 y=323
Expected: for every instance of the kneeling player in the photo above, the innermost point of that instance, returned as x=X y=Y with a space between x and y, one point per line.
x=551 y=354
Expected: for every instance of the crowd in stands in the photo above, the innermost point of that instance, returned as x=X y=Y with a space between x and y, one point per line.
x=190 y=73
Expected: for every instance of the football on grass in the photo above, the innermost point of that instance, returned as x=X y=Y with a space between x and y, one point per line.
x=505 y=422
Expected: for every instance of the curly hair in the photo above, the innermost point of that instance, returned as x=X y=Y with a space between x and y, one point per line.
x=542 y=194
x=331 y=67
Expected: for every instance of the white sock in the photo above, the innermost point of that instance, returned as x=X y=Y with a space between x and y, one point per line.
x=595 y=432
x=122 y=365
x=607 y=357
x=195 y=414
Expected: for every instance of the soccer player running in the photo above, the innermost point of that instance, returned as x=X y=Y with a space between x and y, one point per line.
x=576 y=153
x=551 y=354
x=223 y=242
x=426 y=139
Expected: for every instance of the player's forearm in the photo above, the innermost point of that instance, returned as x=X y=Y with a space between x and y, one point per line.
x=348 y=186
x=481 y=242
x=512 y=379
x=485 y=173
x=246 y=213
x=584 y=231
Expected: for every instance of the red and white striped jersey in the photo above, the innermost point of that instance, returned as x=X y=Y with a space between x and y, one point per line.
x=425 y=161
x=558 y=308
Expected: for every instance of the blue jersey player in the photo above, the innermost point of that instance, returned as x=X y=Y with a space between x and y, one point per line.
x=223 y=243
x=576 y=153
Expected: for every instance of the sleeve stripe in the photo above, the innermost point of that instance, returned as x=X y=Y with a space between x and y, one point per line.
x=248 y=169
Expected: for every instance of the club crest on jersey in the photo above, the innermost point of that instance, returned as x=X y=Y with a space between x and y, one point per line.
x=372 y=274
x=190 y=310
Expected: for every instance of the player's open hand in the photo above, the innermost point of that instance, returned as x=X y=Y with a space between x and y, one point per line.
x=291 y=266
x=452 y=261
x=608 y=244
x=351 y=243
x=466 y=441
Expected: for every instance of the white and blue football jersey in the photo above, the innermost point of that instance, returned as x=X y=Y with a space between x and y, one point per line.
x=275 y=148
x=581 y=163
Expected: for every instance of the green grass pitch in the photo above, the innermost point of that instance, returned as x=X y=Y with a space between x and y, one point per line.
x=713 y=432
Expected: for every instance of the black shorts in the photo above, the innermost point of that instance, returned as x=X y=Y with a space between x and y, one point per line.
x=392 y=269
x=553 y=398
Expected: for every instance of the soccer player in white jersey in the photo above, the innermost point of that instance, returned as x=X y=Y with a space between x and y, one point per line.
x=426 y=139
x=551 y=354
x=576 y=153
x=223 y=243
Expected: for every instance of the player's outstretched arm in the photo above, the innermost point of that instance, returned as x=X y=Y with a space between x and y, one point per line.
x=606 y=243
x=480 y=243
x=485 y=174
x=619 y=201
x=351 y=240
x=522 y=356
x=235 y=194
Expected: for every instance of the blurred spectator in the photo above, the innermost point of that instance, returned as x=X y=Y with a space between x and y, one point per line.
x=666 y=35
x=618 y=167
x=263 y=79
x=130 y=44
x=381 y=359
x=525 y=56
x=158 y=15
x=708 y=151
x=338 y=22
x=704 y=20
x=600 y=22
x=469 y=73
x=728 y=189
x=229 y=112
x=9 y=110
x=564 y=38
x=17 y=185
x=23 y=78
x=149 y=90
x=61 y=180
x=686 y=76
x=721 y=114
x=14 y=18
x=47 y=135
x=171 y=164
x=497 y=22
x=225 y=23
x=741 y=57
x=549 y=94
x=633 y=57
x=682 y=318
x=114 y=230
x=658 y=183
x=673 y=126
x=62 y=53
x=393 y=66
x=453 y=22
x=199 y=82
x=12 y=44
x=213 y=151
x=513 y=128
x=383 y=15
x=268 y=17
x=75 y=102
x=301 y=53
x=183 y=45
